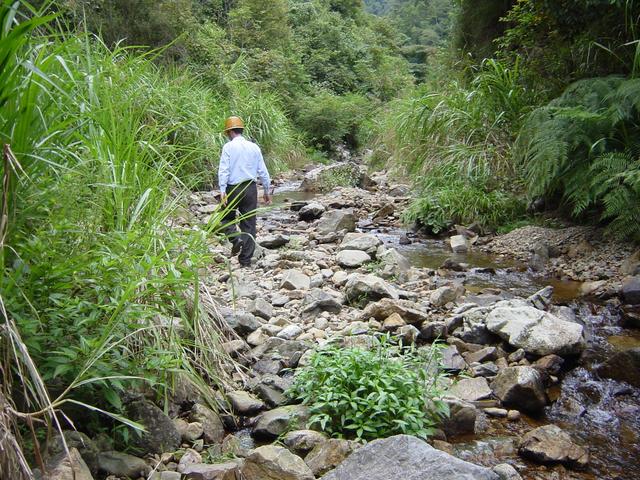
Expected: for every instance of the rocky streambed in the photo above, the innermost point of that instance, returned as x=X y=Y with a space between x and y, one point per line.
x=545 y=381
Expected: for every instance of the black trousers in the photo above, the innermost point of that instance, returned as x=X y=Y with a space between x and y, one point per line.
x=244 y=198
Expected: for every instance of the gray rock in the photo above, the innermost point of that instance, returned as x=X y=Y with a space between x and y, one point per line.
x=542 y=298
x=244 y=403
x=474 y=327
x=273 y=423
x=303 y=441
x=360 y=241
x=261 y=308
x=443 y=295
x=482 y=355
x=161 y=434
x=471 y=389
x=368 y=287
x=68 y=467
x=488 y=369
x=459 y=244
x=218 y=471
x=520 y=387
x=167 y=475
x=189 y=457
x=81 y=442
x=535 y=331
x=295 y=280
x=452 y=360
x=407 y=458
x=336 y=220
x=408 y=334
x=213 y=428
x=279 y=300
x=290 y=332
x=410 y=312
x=394 y=264
x=550 y=444
x=311 y=211
x=352 y=258
x=631 y=290
x=506 y=472
x=122 y=465
x=192 y=432
x=317 y=301
x=328 y=455
x=623 y=366
x=462 y=417
x=245 y=323
x=272 y=462
x=273 y=241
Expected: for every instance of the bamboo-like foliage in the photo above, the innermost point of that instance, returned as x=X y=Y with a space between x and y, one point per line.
x=99 y=294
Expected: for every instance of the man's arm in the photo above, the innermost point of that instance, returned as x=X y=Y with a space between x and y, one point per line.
x=223 y=174
x=263 y=174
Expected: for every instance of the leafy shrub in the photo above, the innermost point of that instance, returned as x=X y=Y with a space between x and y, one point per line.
x=445 y=203
x=331 y=119
x=371 y=394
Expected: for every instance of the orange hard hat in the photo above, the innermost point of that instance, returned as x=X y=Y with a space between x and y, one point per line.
x=233 y=122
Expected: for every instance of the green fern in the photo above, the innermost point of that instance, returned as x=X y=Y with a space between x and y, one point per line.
x=584 y=147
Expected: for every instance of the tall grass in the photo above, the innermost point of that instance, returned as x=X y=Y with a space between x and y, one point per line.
x=455 y=139
x=99 y=295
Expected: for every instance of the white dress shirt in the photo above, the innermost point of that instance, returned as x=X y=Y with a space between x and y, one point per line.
x=240 y=161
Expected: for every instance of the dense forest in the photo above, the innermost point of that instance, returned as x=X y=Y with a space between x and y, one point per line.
x=498 y=112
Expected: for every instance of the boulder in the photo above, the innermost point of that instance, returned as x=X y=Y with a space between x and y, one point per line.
x=290 y=332
x=311 y=211
x=317 y=301
x=550 y=444
x=81 y=442
x=631 y=290
x=122 y=464
x=336 y=220
x=452 y=360
x=295 y=280
x=243 y=403
x=462 y=417
x=459 y=244
x=161 y=434
x=303 y=441
x=471 y=389
x=394 y=264
x=506 y=472
x=189 y=457
x=316 y=180
x=408 y=458
x=386 y=210
x=212 y=426
x=443 y=295
x=352 y=258
x=366 y=242
x=328 y=455
x=520 y=387
x=67 y=467
x=535 y=331
x=410 y=312
x=261 y=308
x=275 y=422
x=368 y=287
x=273 y=462
x=273 y=241
x=623 y=366
x=219 y=471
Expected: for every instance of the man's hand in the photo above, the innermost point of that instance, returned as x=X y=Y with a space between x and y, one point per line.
x=267 y=199
x=223 y=199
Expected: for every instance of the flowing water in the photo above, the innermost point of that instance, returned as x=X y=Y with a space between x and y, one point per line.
x=601 y=414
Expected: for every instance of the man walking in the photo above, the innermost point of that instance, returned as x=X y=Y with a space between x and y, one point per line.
x=241 y=163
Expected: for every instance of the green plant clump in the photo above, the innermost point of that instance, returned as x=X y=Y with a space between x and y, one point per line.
x=373 y=393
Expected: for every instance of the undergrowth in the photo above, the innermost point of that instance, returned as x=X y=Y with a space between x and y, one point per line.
x=369 y=394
